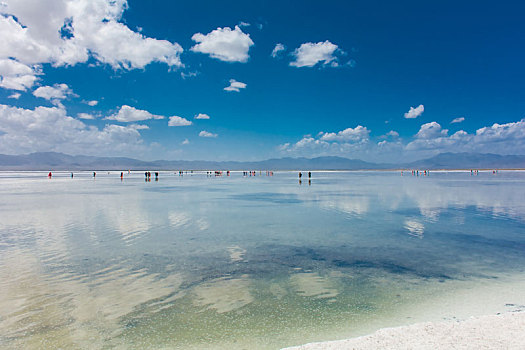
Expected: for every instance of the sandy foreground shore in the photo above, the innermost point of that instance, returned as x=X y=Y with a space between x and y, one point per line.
x=504 y=331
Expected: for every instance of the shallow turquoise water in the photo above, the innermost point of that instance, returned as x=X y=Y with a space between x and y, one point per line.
x=240 y=262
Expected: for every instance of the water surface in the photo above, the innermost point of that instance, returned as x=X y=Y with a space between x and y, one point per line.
x=199 y=261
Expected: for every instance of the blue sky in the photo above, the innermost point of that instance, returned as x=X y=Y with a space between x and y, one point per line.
x=375 y=80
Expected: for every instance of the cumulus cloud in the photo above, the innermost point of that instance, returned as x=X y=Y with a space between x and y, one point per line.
x=415 y=112
x=202 y=116
x=310 y=54
x=186 y=142
x=431 y=130
x=392 y=133
x=178 y=121
x=224 y=44
x=63 y=32
x=15 y=75
x=15 y=95
x=457 y=120
x=85 y=116
x=359 y=133
x=51 y=129
x=347 y=141
x=205 y=133
x=92 y=103
x=53 y=93
x=235 y=86
x=506 y=138
x=128 y=114
x=139 y=126
x=277 y=49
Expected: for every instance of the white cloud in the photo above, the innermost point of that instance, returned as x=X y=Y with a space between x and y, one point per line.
x=430 y=131
x=309 y=54
x=178 y=121
x=92 y=103
x=85 y=116
x=358 y=134
x=235 y=86
x=51 y=129
x=345 y=142
x=139 y=126
x=15 y=75
x=457 y=120
x=128 y=114
x=53 y=93
x=506 y=138
x=415 y=112
x=278 y=48
x=224 y=44
x=186 y=142
x=188 y=75
x=244 y=24
x=64 y=32
x=205 y=133
x=510 y=132
x=202 y=116
x=15 y=95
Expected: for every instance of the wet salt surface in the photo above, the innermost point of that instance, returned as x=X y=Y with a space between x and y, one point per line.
x=243 y=262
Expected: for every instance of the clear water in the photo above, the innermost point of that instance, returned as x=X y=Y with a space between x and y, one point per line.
x=241 y=262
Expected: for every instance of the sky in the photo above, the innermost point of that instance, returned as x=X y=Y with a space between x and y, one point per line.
x=252 y=80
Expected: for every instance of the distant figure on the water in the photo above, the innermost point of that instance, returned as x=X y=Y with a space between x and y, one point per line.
x=300 y=175
x=94 y=174
x=71 y=175
x=309 y=174
x=156 y=176
x=121 y=174
x=49 y=175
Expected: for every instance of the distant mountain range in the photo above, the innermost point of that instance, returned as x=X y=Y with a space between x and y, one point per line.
x=60 y=161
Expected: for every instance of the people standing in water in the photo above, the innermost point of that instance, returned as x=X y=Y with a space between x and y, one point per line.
x=71 y=175
x=121 y=175
x=49 y=175
x=156 y=176
x=94 y=174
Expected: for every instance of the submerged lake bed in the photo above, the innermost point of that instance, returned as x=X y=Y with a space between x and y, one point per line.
x=199 y=261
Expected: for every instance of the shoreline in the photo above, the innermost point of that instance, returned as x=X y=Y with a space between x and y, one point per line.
x=501 y=331
x=479 y=314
